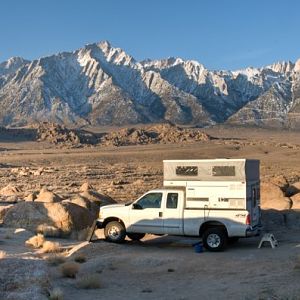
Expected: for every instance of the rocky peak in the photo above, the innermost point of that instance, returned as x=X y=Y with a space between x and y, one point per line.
x=12 y=64
x=282 y=67
x=297 y=66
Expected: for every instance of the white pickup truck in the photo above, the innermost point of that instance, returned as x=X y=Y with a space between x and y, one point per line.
x=217 y=200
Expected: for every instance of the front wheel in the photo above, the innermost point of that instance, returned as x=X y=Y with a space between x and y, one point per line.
x=215 y=239
x=115 y=232
x=134 y=236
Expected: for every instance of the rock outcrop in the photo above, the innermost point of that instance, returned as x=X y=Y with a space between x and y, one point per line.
x=65 y=217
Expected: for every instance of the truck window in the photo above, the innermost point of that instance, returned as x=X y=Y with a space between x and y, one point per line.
x=172 y=200
x=151 y=200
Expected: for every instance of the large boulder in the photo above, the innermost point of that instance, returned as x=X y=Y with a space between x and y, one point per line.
x=10 y=190
x=99 y=199
x=279 y=180
x=272 y=197
x=86 y=187
x=91 y=206
x=47 y=196
x=3 y=211
x=296 y=201
x=65 y=217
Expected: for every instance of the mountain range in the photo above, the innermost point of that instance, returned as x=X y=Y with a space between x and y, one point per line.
x=103 y=85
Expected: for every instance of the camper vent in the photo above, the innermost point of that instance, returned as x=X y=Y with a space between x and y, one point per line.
x=187 y=170
x=223 y=171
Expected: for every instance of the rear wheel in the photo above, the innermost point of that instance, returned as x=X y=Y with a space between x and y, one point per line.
x=215 y=239
x=134 y=236
x=115 y=232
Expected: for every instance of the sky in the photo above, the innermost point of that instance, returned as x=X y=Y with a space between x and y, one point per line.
x=220 y=34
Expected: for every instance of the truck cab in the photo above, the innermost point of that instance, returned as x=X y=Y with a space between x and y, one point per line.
x=158 y=211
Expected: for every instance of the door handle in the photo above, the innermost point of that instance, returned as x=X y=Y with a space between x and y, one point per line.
x=160 y=214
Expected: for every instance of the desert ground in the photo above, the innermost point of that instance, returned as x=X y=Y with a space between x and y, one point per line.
x=157 y=267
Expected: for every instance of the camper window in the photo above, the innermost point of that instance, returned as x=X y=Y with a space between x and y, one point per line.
x=223 y=171
x=187 y=171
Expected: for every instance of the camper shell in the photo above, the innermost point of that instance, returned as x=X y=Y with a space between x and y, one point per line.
x=215 y=183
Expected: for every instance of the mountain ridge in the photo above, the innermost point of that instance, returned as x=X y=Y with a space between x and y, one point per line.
x=103 y=85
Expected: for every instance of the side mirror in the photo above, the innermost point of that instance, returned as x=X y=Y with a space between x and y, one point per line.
x=136 y=206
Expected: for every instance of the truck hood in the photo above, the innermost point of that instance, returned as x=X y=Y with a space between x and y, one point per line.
x=111 y=206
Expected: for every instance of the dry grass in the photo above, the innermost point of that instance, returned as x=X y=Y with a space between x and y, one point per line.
x=80 y=258
x=56 y=294
x=56 y=259
x=69 y=269
x=2 y=254
x=51 y=247
x=36 y=241
x=89 y=281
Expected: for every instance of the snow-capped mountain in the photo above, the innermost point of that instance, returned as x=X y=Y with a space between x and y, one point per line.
x=100 y=84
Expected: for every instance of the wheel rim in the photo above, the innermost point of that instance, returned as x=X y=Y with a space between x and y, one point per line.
x=213 y=240
x=114 y=232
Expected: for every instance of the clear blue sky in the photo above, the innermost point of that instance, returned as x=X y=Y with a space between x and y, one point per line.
x=221 y=34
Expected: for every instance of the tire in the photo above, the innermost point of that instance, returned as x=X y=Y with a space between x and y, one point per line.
x=135 y=236
x=215 y=239
x=115 y=232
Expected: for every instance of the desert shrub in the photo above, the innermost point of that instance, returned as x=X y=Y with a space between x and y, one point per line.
x=36 y=241
x=89 y=281
x=2 y=254
x=51 y=247
x=56 y=294
x=80 y=258
x=56 y=259
x=69 y=269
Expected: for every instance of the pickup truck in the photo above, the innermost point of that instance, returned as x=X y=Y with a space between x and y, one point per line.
x=217 y=211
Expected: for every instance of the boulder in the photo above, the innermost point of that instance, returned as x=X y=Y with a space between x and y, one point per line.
x=296 y=201
x=272 y=197
x=47 y=196
x=30 y=197
x=86 y=187
x=91 y=206
x=280 y=181
x=66 y=217
x=98 y=198
x=10 y=190
x=3 y=211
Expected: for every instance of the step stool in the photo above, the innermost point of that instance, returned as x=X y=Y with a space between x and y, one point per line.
x=268 y=237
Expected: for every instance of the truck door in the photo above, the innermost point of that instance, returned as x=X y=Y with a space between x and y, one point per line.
x=172 y=214
x=146 y=214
